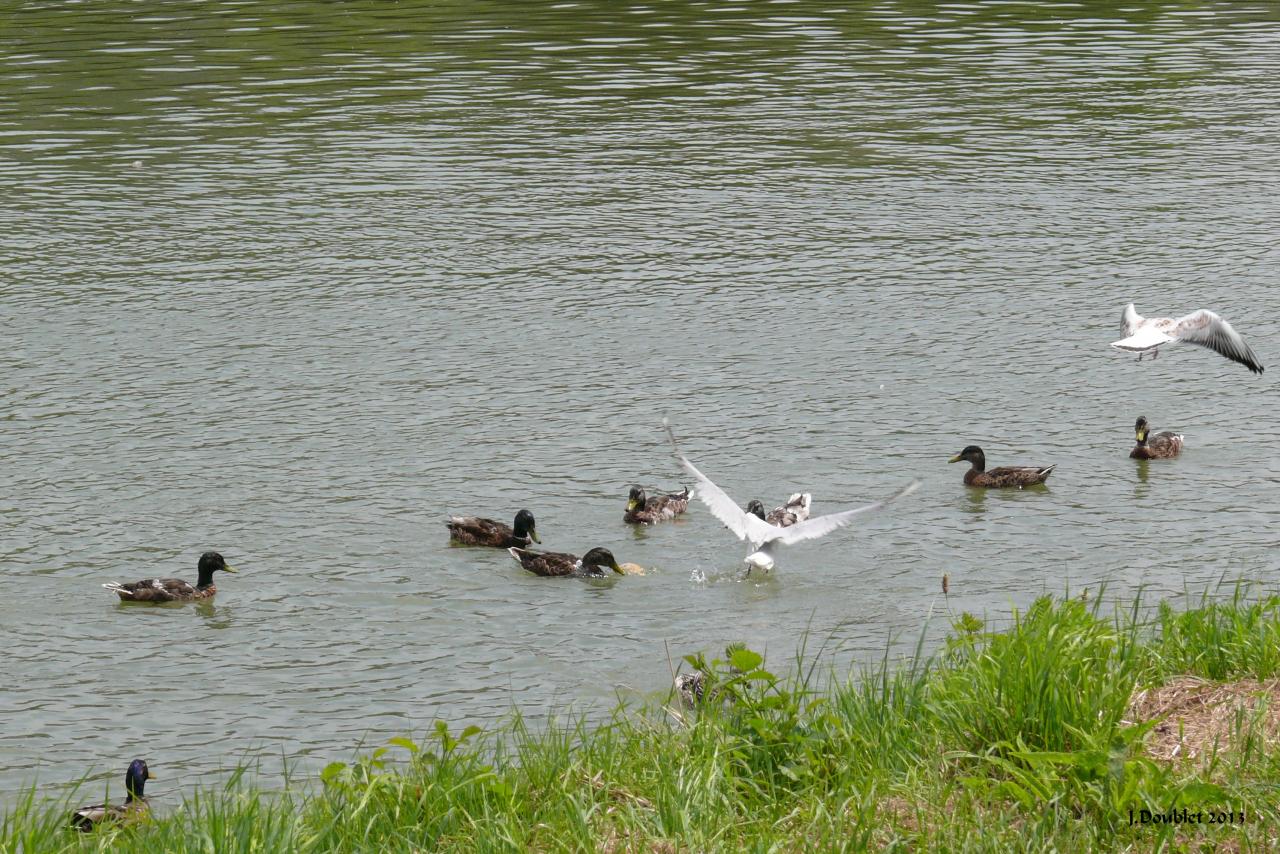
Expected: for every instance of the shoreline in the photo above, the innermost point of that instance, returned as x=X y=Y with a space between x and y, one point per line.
x=1079 y=725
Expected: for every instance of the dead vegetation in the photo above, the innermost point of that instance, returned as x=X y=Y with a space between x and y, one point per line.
x=1201 y=718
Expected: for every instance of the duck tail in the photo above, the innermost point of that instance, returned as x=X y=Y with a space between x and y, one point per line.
x=515 y=553
x=116 y=587
x=801 y=499
x=1046 y=471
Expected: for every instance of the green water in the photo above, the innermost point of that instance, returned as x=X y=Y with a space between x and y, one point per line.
x=296 y=281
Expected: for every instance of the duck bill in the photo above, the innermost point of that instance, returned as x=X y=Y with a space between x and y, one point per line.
x=533 y=535
x=955 y=459
x=618 y=569
x=632 y=505
x=1140 y=437
x=229 y=568
x=151 y=776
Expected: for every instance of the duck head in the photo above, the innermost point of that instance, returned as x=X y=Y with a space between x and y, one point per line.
x=1140 y=430
x=973 y=455
x=602 y=557
x=135 y=779
x=525 y=527
x=635 y=498
x=211 y=562
x=755 y=508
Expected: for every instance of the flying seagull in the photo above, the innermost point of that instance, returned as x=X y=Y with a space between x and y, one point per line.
x=762 y=536
x=1147 y=335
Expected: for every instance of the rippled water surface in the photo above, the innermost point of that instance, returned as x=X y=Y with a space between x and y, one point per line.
x=296 y=281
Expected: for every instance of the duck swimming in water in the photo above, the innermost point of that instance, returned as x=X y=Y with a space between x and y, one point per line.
x=1154 y=446
x=1005 y=476
x=795 y=510
x=642 y=510
x=562 y=565
x=135 y=780
x=174 y=589
x=475 y=531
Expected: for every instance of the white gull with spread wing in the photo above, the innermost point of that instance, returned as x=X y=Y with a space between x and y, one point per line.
x=762 y=536
x=1144 y=335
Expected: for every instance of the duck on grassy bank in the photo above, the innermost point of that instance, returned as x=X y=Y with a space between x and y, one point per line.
x=135 y=804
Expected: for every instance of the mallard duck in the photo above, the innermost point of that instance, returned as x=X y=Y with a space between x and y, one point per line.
x=1157 y=446
x=135 y=780
x=646 y=511
x=1144 y=335
x=691 y=688
x=173 y=589
x=474 y=531
x=561 y=565
x=795 y=510
x=977 y=475
x=762 y=536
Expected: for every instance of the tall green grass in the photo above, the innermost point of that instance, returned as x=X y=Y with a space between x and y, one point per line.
x=1012 y=739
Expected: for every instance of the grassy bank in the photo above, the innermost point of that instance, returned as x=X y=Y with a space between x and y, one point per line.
x=1043 y=735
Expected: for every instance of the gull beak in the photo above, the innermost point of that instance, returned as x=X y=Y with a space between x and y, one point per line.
x=533 y=534
x=226 y=567
x=955 y=459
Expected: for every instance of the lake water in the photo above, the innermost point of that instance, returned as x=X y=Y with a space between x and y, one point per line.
x=297 y=281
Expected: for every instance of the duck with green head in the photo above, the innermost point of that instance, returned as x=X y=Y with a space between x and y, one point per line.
x=135 y=780
x=174 y=589
x=1154 y=446
x=562 y=565
x=1005 y=476
x=476 y=531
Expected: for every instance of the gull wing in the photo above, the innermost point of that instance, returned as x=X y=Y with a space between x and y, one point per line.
x=1143 y=339
x=1130 y=320
x=1206 y=329
x=745 y=525
x=819 y=526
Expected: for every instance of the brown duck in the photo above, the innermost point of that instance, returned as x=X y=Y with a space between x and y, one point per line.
x=560 y=565
x=174 y=589
x=642 y=510
x=1005 y=476
x=795 y=511
x=475 y=531
x=1154 y=446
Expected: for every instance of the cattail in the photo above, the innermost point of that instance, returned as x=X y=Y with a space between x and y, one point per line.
x=946 y=583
